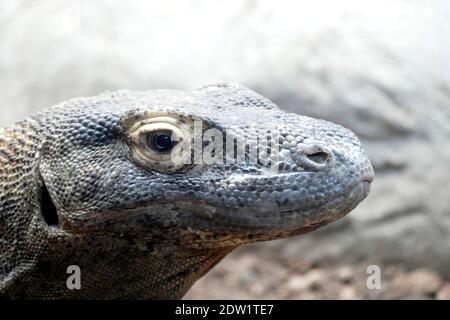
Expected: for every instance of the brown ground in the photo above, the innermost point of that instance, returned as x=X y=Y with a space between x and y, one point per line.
x=245 y=275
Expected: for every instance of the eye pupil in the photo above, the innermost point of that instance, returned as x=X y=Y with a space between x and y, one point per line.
x=162 y=141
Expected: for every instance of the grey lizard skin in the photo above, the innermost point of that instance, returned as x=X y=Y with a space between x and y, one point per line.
x=79 y=186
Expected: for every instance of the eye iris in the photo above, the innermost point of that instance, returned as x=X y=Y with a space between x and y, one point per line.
x=162 y=142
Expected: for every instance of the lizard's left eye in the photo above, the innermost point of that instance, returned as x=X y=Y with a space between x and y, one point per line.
x=157 y=139
x=161 y=143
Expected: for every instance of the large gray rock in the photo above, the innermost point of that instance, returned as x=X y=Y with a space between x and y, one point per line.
x=380 y=68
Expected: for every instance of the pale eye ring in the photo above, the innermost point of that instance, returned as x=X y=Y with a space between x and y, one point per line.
x=161 y=141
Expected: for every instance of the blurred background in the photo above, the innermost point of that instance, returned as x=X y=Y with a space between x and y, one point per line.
x=380 y=68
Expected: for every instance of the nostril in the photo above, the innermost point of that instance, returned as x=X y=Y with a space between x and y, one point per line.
x=314 y=157
x=318 y=157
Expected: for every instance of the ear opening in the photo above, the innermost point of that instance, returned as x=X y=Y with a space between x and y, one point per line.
x=48 y=209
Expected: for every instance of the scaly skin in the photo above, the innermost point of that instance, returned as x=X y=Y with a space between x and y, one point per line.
x=139 y=227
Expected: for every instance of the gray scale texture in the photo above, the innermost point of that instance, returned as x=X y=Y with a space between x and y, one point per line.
x=137 y=231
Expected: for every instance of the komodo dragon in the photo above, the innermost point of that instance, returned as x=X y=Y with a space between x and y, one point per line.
x=94 y=182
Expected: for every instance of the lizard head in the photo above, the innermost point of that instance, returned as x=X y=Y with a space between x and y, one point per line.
x=216 y=167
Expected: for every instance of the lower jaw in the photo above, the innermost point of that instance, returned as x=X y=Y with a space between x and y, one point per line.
x=252 y=225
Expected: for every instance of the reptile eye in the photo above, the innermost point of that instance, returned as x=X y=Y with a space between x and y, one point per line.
x=160 y=141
